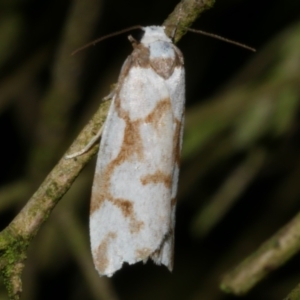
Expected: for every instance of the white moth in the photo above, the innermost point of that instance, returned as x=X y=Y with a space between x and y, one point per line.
x=133 y=202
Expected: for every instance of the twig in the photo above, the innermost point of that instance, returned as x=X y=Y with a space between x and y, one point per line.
x=271 y=255
x=13 y=85
x=64 y=89
x=184 y=15
x=15 y=238
x=228 y=193
x=294 y=294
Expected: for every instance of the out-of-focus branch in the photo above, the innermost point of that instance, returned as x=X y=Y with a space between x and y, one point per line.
x=271 y=255
x=13 y=193
x=15 y=238
x=14 y=84
x=228 y=193
x=294 y=294
x=64 y=90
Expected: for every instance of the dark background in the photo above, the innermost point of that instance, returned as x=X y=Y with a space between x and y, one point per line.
x=236 y=118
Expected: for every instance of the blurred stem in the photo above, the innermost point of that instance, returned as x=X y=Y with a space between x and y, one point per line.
x=12 y=193
x=100 y=288
x=12 y=86
x=271 y=255
x=294 y=294
x=64 y=90
x=228 y=193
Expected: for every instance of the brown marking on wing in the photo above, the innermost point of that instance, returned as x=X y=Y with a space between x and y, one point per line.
x=100 y=188
x=156 y=255
x=100 y=255
x=158 y=112
x=143 y=253
x=177 y=142
x=140 y=56
x=127 y=210
x=125 y=206
x=177 y=139
x=173 y=202
x=132 y=146
x=156 y=178
x=165 y=66
x=132 y=143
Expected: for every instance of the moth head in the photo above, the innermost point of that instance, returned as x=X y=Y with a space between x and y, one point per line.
x=153 y=34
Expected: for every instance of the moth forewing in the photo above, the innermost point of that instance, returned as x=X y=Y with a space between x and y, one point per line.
x=132 y=213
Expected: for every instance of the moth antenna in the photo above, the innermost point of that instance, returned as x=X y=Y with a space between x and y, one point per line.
x=93 y=43
x=218 y=37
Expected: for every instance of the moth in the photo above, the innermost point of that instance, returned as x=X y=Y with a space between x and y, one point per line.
x=132 y=214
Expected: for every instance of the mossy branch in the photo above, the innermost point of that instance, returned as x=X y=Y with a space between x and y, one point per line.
x=184 y=15
x=14 y=240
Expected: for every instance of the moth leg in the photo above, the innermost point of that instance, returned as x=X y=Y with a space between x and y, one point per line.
x=111 y=94
x=88 y=146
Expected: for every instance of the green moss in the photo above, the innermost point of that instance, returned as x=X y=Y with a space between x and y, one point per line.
x=225 y=289
x=12 y=256
x=51 y=191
